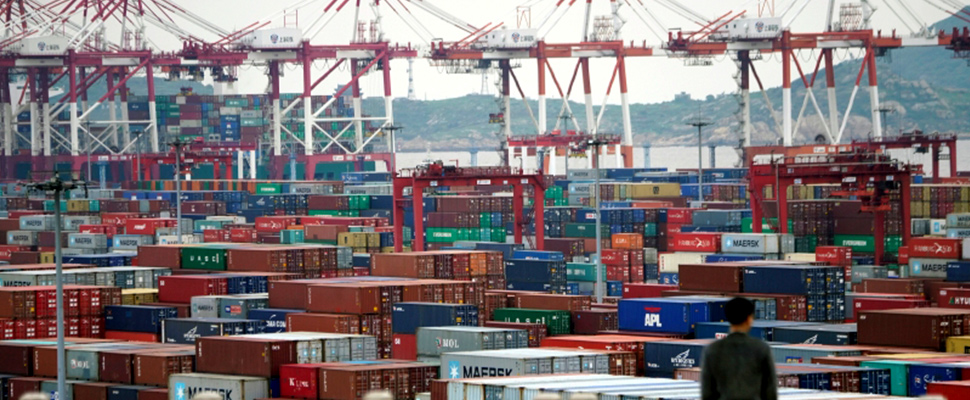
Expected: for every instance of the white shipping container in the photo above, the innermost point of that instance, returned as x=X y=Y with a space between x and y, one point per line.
x=22 y=238
x=958 y=233
x=671 y=262
x=750 y=243
x=42 y=46
x=512 y=38
x=73 y=222
x=231 y=387
x=650 y=255
x=937 y=227
x=173 y=239
x=801 y=257
x=131 y=242
x=37 y=223
x=87 y=241
x=275 y=38
x=755 y=28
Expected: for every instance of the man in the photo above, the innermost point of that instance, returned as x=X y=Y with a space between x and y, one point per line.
x=739 y=367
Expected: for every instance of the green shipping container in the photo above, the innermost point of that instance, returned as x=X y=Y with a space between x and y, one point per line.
x=204 y=258
x=442 y=235
x=94 y=205
x=898 y=374
x=577 y=230
x=582 y=272
x=237 y=102
x=269 y=188
x=498 y=235
x=650 y=229
x=203 y=224
x=291 y=236
x=557 y=321
x=766 y=225
x=249 y=122
x=485 y=220
x=858 y=243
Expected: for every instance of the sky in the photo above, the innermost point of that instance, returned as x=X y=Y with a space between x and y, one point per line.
x=651 y=80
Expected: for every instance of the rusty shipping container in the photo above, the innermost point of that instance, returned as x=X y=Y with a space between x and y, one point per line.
x=248 y=356
x=926 y=328
x=712 y=277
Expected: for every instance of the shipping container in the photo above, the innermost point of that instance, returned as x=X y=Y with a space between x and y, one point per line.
x=926 y=328
x=187 y=330
x=667 y=315
x=435 y=341
x=187 y=386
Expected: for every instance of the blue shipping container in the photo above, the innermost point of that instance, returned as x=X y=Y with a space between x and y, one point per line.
x=763 y=330
x=274 y=318
x=147 y=319
x=801 y=280
x=408 y=317
x=662 y=358
x=958 y=271
x=922 y=374
x=538 y=255
x=668 y=315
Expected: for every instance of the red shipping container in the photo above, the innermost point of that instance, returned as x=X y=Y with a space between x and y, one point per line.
x=132 y=336
x=181 y=288
x=954 y=298
x=215 y=235
x=344 y=298
x=117 y=219
x=903 y=255
x=404 y=347
x=935 y=247
x=242 y=235
x=274 y=224
x=834 y=255
x=147 y=226
x=680 y=215
x=952 y=390
x=299 y=381
x=6 y=251
x=616 y=257
x=697 y=242
x=618 y=273
x=874 y=304
x=645 y=290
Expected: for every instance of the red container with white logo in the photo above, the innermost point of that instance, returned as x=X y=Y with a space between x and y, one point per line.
x=903 y=255
x=954 y=298
x=181 y=288
x=834 y=255
x=680 y=215
x=242 y=235
x=875 y=304
x=215 y=235
x=299 y=381
x=117 y=219
x=147 y=226
x=616 y=257
x=404 y=347
x=274 y=224
x=6 y=251
x=935 y=247
x=703 y=242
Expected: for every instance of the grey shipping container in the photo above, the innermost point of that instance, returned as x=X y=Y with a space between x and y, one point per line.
x=87 y=241
x=238 y=306
x=827 y=334
x=71 y=223
x=50 y=387
x=803 y=354
x=79 y=252
x=37 y=223
x=186 y=386
x=131 y=242
x=928 y=267
x=434 y=341
x=860 y=272
x=22 y=238
x=205 y=306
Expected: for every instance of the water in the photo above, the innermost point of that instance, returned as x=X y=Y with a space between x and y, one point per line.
x=672 y=158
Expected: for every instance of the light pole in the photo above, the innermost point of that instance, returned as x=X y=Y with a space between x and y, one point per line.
x=56 y=185
x=178 y=144
x=596 y=144
x=137 y=134
x=88 y=148
x=700 y=123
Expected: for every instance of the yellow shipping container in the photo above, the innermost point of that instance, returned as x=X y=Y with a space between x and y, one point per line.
x=373 y=240
x=78 y=205
x=136 y=297
x=958 y=344
x=352 y=239
x=47 y=257
x=641 y=191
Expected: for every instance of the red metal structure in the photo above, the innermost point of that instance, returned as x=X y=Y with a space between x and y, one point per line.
x=867 y=176
x=923 y=143
x=436 y=174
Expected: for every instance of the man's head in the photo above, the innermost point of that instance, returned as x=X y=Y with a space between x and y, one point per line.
x=740 y=313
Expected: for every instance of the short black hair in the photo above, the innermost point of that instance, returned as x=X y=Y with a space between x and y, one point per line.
x=738 y=310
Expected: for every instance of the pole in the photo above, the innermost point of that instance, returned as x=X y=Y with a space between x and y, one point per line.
x=138 y=155
x=178 y=190
x=59 y=277
x=700 y=124
x=600 y=289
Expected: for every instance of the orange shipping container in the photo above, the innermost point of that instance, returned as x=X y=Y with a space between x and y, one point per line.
x=627 y=241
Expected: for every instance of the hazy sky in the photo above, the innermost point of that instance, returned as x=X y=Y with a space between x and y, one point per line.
x=651 y=79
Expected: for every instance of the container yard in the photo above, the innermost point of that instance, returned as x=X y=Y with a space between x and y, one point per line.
x=196 y=212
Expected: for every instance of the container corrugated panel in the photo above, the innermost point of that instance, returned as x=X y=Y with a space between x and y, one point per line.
x=146 y=319
x=784 y=279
